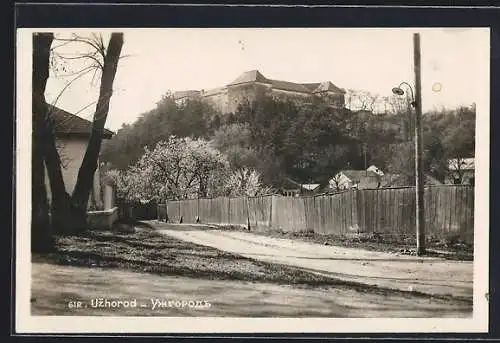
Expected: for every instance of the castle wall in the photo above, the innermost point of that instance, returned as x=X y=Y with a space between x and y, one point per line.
x=218 y=99
x=297 y=97
x=227 y=99
x=238 y=94
x=337 y=100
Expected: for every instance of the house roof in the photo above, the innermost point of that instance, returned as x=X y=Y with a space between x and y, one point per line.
x=375 y=169
x=356 y=175
x=292 y=184
x=363 y=178
x=249 y=76
x=311 y=186
x=66 y=123
x=465 y=163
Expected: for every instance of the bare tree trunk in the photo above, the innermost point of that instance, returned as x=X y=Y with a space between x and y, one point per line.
x=41 y=236
x=44 y=149
x=66 y=218
x=88 y=167
x=68 y=212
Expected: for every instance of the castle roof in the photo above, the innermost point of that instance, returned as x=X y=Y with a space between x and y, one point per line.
x=256 y=76
x=289 y=86
x=249 y=76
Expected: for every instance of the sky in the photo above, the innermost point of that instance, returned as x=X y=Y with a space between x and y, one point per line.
x=374 y=60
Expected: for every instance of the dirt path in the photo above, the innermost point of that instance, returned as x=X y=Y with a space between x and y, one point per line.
x=54 y=286
x=427 y=275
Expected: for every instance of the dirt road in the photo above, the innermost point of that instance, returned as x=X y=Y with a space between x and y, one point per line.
x=56 y=289
x=432 y=276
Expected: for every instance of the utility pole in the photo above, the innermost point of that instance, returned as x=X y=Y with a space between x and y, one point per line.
x=409 y=121
x=419 y=177
x=364 y=152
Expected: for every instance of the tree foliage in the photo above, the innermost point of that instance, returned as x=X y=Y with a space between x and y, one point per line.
x=281 y=138
x=184 y=168
x=245 y=182
x=193 y=118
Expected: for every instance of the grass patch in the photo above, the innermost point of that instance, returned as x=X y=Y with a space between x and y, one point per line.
x=148 y=251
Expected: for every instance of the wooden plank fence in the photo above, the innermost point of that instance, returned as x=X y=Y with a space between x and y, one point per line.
x=449 y=211
x=189 y=211
x=259 y=212
x=238 y=211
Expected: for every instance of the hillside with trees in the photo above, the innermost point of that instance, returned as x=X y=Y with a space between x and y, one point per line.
x=279 y=139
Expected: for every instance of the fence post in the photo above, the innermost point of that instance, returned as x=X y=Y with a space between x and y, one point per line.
x=304 y=217
x=354 y=209
x=248 y=212
x=180 y=213
x=229 y=217
x=271 y=211
x=197 y=209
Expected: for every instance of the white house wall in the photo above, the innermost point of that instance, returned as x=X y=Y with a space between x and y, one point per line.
x=71 y=151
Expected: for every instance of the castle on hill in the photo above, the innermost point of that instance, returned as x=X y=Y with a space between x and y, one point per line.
x=245 y=87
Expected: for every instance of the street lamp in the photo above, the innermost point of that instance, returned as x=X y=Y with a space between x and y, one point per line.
x=399 y=91
x=407 y=124
x=416 y=102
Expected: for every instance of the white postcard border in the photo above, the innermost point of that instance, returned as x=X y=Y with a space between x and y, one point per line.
x=25 y=323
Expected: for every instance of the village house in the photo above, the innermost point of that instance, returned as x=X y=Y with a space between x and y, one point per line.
x=72 y=134
x=371 y=178
x=356 y=179
x=460 y=171
x=246 y=87
x=291 y=187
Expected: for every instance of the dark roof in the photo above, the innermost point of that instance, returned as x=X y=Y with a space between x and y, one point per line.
x=290 y=184
x=249 y=76
x=306 y=88
x=256 y=76
x=66 y=123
